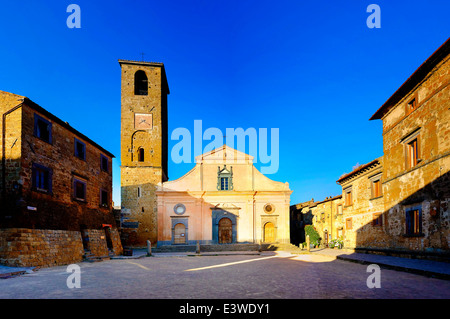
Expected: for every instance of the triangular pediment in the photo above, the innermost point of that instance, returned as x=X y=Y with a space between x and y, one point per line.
x=226 y=206
x=224 y=154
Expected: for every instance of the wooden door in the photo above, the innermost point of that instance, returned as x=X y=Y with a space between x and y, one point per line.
x=269 y=232
x=225 y=231
x=179 y=234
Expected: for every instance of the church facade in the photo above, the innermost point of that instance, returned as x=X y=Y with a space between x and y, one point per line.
x=224 y=199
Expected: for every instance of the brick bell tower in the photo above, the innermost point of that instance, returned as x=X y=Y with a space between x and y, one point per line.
x=144 y=147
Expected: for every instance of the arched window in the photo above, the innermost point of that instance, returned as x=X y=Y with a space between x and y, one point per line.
x=141 y=154
x=140 y=83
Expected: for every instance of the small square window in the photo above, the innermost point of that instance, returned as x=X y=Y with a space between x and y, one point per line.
x=414 y=221
x=80 y=149
x=339 y=209
x=348 y=197
x=348 y=223
x=41 y=178
x=412 y=105
x=42 y=128
x=104 y=198
x=104 y=163
x=79 y=189
x=376 y=188
x=377 y=220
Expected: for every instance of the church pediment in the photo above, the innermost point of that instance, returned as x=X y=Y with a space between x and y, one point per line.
x=225 y=206
x=225 y=154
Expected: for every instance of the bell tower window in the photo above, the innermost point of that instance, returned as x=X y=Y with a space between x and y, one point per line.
x=141 y=155
x=140 y=83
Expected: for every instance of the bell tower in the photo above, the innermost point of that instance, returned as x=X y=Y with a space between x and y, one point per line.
x=144 y=147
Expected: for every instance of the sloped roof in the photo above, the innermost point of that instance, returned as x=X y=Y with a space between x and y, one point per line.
x=413 y=80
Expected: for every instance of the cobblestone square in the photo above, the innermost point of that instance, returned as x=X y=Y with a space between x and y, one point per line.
x=271 y=275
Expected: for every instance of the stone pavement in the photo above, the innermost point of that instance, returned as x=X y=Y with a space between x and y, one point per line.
x=428 y=268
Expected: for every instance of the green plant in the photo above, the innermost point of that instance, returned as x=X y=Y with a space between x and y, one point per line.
x=338 y=243
x=314 y=237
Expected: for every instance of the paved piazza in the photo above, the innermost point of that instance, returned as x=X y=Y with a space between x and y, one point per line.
x=267 y=276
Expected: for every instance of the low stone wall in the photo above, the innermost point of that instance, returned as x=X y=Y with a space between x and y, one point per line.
x=21 y=247
x=97 y=242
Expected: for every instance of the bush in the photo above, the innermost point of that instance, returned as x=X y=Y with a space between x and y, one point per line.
x=314 y=238
x=338 y=243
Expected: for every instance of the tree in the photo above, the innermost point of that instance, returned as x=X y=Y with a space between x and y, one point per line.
x=314 y=237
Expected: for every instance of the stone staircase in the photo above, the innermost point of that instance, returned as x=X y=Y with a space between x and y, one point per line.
x=227 y=247
x=89 y=257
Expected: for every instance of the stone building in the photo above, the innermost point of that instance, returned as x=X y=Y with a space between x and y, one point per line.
x=53 y=178
x=363 y=205
x=399 y=203
x=144 y=147
x=326 y=216
x=224 y=199
x=416 y=161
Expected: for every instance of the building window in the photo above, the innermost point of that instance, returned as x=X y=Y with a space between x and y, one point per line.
x=224 y=178
x=80 y=149
x=41 y=178
x=411 y=142
x=104 y=198
x=412 y=105
x=224 y=183
x=411 y=153
x=139 y=194
x=179 y=209
x=79 y=189
x=269 y=208
x=377 y=219
x=348 y=223
x=339 y=209
x=140 y=83
x=104 y=163
x=42 y=128
x=141 y=155
x=348 y=196
x=376 y=185
x=414 y=221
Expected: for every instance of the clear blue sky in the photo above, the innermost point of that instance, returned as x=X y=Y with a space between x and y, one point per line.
x=313 y=69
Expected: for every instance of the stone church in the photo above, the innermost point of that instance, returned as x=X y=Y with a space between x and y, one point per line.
x=224 y=199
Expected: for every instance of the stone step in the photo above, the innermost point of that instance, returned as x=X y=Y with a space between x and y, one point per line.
x=225 y=247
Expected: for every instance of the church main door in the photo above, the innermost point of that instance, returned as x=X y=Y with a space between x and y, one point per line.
x=179 y=234
x=225 y=231
x=269 y=233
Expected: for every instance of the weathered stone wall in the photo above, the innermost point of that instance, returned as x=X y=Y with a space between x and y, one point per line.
x=147 y=174
x=25 y=206
x=427 y=184
x=21 y=247
x=359 y=214
x=97 y=242
x=327 y=218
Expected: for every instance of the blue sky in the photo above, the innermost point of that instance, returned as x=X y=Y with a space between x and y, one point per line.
x=313 y=69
